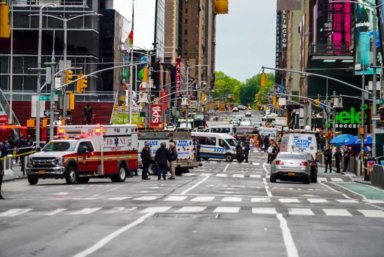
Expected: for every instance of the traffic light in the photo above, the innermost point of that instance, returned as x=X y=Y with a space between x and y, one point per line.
x=263 y=79
x=145 y=74
x=81 y=84
x=71 y=102
x=68 y=77
x=5 y=29
x=274 y=100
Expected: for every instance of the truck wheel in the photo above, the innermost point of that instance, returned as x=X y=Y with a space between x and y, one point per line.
x=82 y=180
x=33 y=181
x=122 y=174
x=70 y=175
x=228 y=158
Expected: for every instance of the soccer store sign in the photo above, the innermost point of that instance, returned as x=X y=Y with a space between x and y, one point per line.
x=350 y=118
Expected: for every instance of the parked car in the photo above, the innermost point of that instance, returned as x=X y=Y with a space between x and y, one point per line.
x=235 y=109
x=241 y=107
x=248 y=114
x=294 y=166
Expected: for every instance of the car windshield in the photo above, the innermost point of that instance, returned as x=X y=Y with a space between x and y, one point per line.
x=291 y=156
x=231 y=142
x=60 y=146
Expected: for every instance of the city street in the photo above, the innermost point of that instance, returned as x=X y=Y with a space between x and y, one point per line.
x=220 y=208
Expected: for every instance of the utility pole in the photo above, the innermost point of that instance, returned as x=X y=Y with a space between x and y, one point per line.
x=51 y=109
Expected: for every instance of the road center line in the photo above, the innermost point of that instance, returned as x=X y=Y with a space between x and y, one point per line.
x=288 y=240
x=195 y=185
x=226 y=167
x=269 y=193
x=112 y=236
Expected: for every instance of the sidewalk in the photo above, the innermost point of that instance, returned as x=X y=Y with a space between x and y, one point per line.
x=14 y=173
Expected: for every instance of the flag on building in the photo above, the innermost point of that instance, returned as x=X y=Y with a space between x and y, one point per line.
x=129 y=41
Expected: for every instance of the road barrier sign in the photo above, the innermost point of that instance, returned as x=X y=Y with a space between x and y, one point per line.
x=44 y=98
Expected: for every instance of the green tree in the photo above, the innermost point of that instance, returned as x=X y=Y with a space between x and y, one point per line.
x=263 y=93
x=226 y=87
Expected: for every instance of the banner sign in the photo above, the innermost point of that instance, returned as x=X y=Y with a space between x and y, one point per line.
x=178 y=76
x=156 y=114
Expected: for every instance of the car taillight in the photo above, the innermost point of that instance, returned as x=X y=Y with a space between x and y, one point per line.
x=278 y=162
x=304 y=164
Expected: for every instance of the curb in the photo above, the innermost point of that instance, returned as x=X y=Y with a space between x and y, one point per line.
x=14 y=178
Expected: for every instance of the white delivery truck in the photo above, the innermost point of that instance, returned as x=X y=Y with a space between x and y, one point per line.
x=299 y=141
x=81 y=152
x=186 y=152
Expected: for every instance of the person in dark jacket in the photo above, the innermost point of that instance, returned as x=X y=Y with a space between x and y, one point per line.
x=328 y=159
x=172 y=158
x=146 y=158
x=338 y=156
x=87 y=114
x=161 y=159
x=247 y=148
x=3 y=153
x=347 y=157
x=266 y=143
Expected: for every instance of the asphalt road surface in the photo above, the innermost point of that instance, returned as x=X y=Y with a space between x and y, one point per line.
x=219 y=209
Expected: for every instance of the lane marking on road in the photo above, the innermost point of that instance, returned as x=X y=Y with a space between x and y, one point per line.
x=321 y=179
x=267 y=187
x=146 y=198
x=347 y=201
x=337 y=212
x=175 y=198
x=287 y=236
x=372 y=213
x=374 y=201
x=119 y=210
x=261 y=200
x=238 y=176
x=226 y=167
x=300 y=211
x=232 y=199
x=203 y=199
x=227 y=210
x=334 y=190
x=121 y=198
x=14 y=212
x=195 y=185
x=256 y=163
x=336 y=179
x=255 y=176
x=85 y=211
x=156 y=209
x=289 y=200
x=57 y=211
x=222 y=175
x=264 y=210
x=101 y=243
x=317 y=200
x=191 y=209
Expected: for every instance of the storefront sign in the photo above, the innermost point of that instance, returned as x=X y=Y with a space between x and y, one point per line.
x=156 y=114
x=4 y=119
x=350 y=118
x=178 y=76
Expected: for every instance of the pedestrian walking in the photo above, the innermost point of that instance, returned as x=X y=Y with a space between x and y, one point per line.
x=274 y=152
x=146 y=158
x=266 y=143
x=172 y=158
x=328 y=159
x=338 y=157
x=196 y=143
x=247 y=147
x=347 y=157
x=161 y=159
x=87 y=114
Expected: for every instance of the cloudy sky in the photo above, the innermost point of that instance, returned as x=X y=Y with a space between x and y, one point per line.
x=245 y=37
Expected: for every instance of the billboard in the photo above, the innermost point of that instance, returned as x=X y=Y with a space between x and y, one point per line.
x=156 y=115
x=365 y=17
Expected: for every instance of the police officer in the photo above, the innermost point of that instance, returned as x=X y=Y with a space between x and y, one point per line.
x=328 y=159
x=145 y=160
x=338 y=156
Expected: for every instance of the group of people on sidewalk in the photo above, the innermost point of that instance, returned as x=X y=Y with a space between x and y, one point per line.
x=340 y=155
x=164 y=158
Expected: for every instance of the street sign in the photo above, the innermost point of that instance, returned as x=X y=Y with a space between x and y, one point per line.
x=381 y=101
x=44 y=98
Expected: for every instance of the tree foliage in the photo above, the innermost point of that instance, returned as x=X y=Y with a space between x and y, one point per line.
x=226 y=87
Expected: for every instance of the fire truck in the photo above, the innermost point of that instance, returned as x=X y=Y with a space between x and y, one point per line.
x=79 y=153
x=186 y=151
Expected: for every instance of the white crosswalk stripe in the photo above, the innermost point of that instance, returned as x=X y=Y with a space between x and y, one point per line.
x=119 y=198
x=14 y=212
x=372 y=213
x=232 y=199
x=336 y=179
x=289 y=200
x=85 y=211
x=227 y=210
x=115 y=210
x=146 y=198
x=260 y=200
x=256 y=163
x=321 y=179
x=374 y=201
x=238 y=176
x=191 y=209
x=300 y=211
x=156 y=209
x=175 y=198
x=255 y=176
x=317 y=200
x=264 y=210
x=347 y=201
x=337 y=212
x=203 y=199
x=222 y=175
x=57 y=211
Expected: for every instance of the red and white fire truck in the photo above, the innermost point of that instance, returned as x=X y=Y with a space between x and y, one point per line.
x=81 y=152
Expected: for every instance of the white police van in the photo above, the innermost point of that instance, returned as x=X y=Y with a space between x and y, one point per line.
x=302 y=141
x=216 y=145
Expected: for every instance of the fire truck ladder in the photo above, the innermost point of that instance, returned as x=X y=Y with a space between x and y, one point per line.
x=5 y=108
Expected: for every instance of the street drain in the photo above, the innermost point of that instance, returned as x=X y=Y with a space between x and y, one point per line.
x=186 y=216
